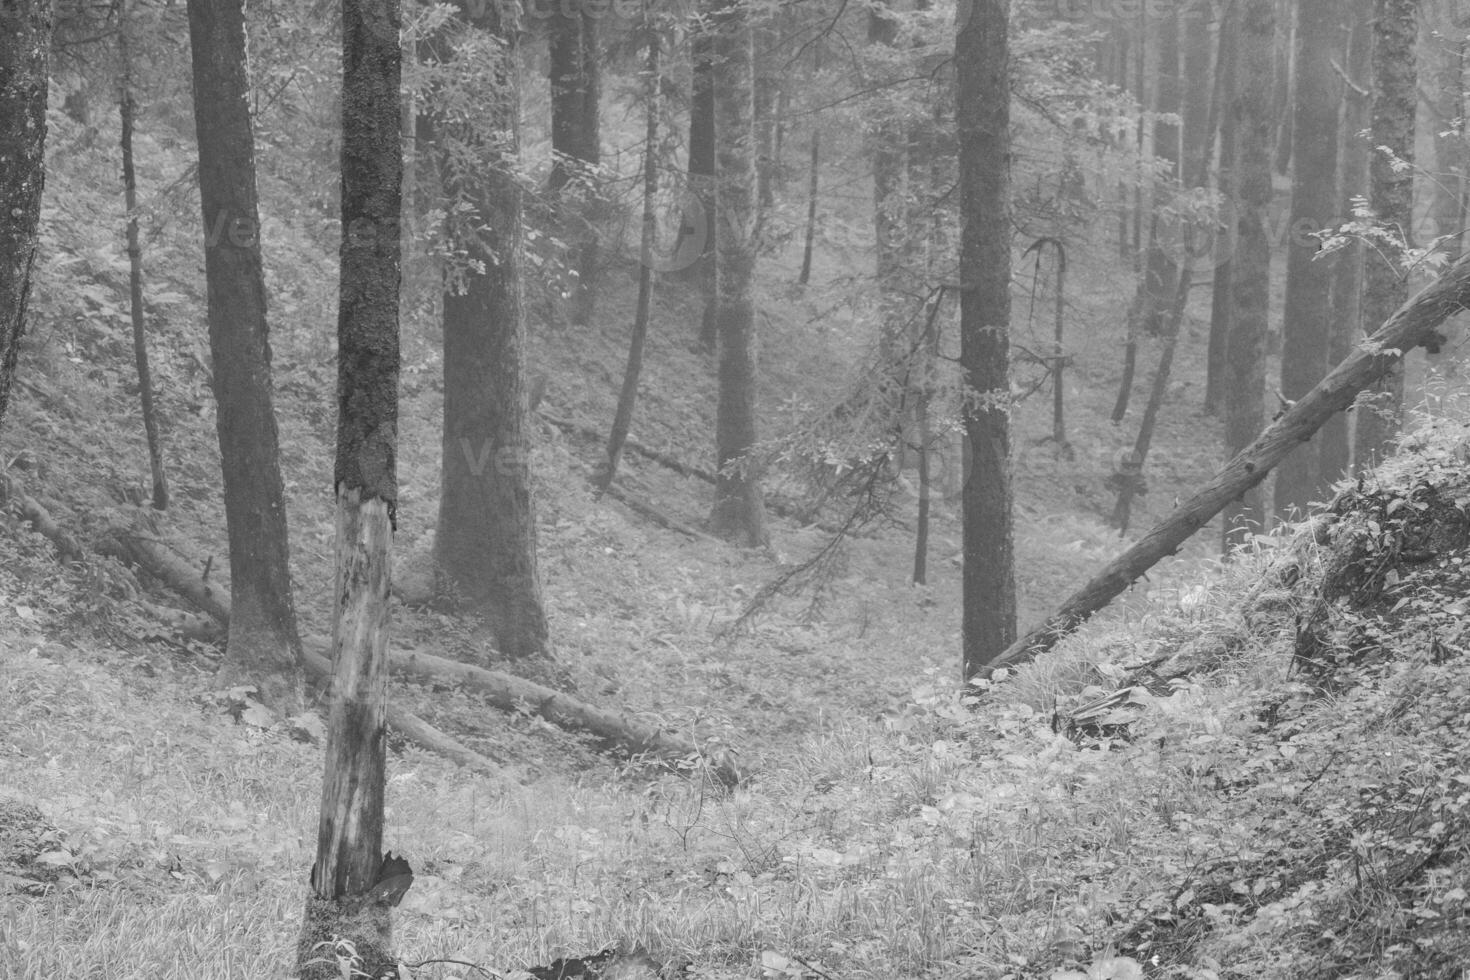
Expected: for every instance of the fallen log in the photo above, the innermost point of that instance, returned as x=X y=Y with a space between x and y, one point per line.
x=510 y=693
x=1415 y=324
x=646 y=510
x=632 y=446
x=67 y=546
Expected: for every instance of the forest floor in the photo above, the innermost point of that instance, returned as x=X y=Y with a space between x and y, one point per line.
x=1260 y=821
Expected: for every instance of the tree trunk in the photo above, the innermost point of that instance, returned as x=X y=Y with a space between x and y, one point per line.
x=768 y=87
x=1352 y=182
x=576 y=146
x=1411 y=326
x=485 y=539
x=889 y=217
x=982 y=101
x=1161 y=271
x=1391 y=195
x=739 y=512
x=1307 y=315
x=263 y=645
x=813 y=174
x=1283 y=97
x=25 y=53
x=135 y=266
x=702 y=173
x=1445 y=48
x=353 y=883
x=1250 y=301
x=623 y=417
x=1225 y=87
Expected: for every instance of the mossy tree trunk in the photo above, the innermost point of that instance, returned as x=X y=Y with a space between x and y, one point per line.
x=25 y=55
x=353 y=883
x=982 y=109
x=263 y=645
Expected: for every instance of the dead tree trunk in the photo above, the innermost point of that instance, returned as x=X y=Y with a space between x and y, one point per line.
x=1413 y=325
x=354 y=884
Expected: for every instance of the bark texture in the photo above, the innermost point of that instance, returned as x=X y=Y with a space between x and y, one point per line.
x=1391 y=195
x=263 y=645
x=485 y=541
x=982 y=107
x=350 y=896
x=1307 y=314
x=1245 y=367
x=25 y=49
x=739 y=511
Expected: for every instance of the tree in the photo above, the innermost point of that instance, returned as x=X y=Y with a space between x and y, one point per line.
x=576 y=142
x=1225 y=85
x=1352 y=183
x=1391 y=196
x=263 y=646
x=739 y=510
x=25 y=53
x=353 y=883
x=702 y=170
x=1307 y=314
x=127 y=111
x=485 y=541
x=1445 y=48
x=982 y=110
x=623 y=417
x=1250 y=300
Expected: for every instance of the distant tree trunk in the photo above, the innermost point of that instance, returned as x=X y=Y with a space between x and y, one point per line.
x=1445 y=49
x=1395 y=98
x=768 y=91
x=135 y=266
x=485 y=541
x=1352 y=182
x=354 y=885
x=1138 y=309
x=1283 y=73
x=1225 y=85
x=702 y=172
x=263 y=645
x=1307 y=315
x=739 y=510
x=1161 y=270
x=576 y=144
x=805 y=276
x=1245 y=380
x=623 y=418
x=25 y=54
x=889 y=218
x=982 y=108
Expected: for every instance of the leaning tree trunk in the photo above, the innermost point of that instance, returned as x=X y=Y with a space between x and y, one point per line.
x=354 y=885
x=1413 y=325
x=263 y=646
x=1307 y=315
x=485 y=541
x=1391 y=195
x=135 y=265
x=739 y=510
x=982 y=109
x=1250 y=271
x=623 y=417
x=25 y=49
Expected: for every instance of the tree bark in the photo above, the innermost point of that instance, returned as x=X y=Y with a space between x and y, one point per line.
x=982 y=101
x=1352 y=182
x=1411 y=326
x=348 y=898
x=263 y=645
x=485 y=539
x=1250 y=300
x=1446 y=48
x=702 y=174
x=1221 y=289
x=623 y=416
x=135 y=266
x=1391 y=195
x=576 y=145
x=1307 y=314
x=25 y=57
x=739 y=511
